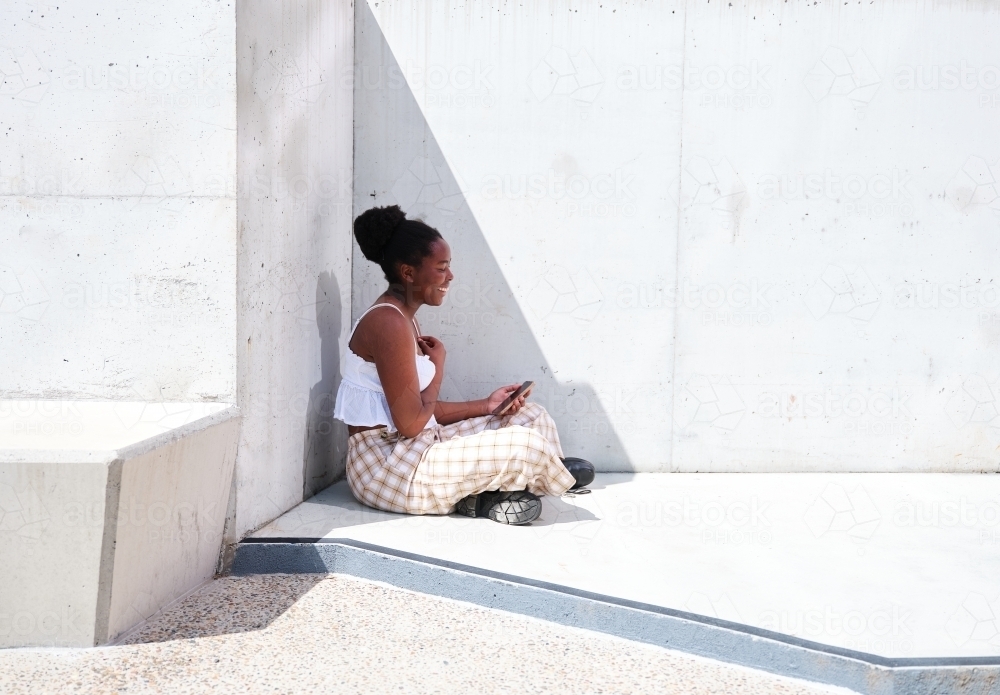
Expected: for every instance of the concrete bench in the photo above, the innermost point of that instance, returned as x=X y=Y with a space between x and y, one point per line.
x=108 y=512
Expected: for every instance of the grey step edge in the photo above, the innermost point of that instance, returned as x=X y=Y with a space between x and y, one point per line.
x=706 y=636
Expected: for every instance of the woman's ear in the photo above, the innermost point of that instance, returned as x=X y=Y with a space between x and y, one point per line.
x=407 y=273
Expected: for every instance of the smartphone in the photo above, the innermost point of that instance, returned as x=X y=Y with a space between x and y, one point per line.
x=522 y=390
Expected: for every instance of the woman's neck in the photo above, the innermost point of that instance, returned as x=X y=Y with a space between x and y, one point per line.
x=399 y=294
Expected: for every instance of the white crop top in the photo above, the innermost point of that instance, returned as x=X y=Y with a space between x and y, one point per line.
x=360 y=398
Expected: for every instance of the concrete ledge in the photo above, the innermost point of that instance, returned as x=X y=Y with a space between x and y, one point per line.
x=108 y=511
x=687 y=632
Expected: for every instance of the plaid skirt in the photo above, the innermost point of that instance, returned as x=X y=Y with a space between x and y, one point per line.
x=430 y=473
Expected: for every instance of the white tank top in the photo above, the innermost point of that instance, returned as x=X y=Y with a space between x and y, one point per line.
x=360 y=398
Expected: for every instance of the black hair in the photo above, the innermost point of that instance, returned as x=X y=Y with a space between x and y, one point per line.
x=386 y=237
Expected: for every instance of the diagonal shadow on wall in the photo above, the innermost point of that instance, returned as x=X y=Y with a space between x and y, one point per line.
x=397 y=160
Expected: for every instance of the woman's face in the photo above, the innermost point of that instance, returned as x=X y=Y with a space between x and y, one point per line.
x=431 y=279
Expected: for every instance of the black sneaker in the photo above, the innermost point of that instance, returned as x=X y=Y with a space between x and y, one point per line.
x=514 y=507
x=467 y=506
x=582 y=471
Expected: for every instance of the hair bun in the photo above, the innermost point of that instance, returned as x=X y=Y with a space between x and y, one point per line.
x=375 y=227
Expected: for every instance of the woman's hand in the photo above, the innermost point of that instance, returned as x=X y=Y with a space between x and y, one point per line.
x=500 y=395
x=434 y=349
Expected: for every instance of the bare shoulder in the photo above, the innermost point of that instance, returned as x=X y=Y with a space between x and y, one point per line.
x=385 y=325
x=386 y=316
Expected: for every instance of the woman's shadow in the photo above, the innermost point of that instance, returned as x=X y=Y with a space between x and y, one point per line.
x=325 y=447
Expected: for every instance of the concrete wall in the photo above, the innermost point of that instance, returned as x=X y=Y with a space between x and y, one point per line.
x=720 y=238
x=126 y=271
x=117 y=201
x=723 y=237
x=294 y=250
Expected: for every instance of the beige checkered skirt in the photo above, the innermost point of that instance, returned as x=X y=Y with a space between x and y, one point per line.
x=430 y=473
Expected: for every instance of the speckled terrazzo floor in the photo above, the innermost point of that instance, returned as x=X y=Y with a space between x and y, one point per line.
x=336 y=634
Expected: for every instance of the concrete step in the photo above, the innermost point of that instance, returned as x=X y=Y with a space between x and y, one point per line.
x=843 y=579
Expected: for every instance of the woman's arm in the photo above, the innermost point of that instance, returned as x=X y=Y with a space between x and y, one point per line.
x=392 y=348
x=447 y=413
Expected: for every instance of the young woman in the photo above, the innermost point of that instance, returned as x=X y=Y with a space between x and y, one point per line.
x=409 y=452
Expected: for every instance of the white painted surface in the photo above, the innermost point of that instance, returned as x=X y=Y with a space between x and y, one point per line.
x=53 y=524
x=88 y=426
x=677 y=305
x=533 y=296
x=171 y=517
x=294 y=250
x=118 y=201
x=682 y=306
x=881 y=289
x=109 y=511
x=892 y=564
